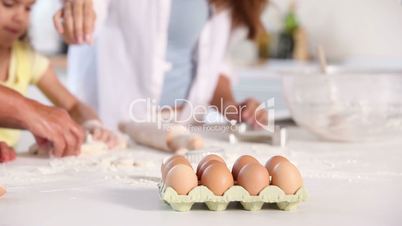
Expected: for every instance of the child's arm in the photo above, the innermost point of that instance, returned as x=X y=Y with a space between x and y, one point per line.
x=58 y=94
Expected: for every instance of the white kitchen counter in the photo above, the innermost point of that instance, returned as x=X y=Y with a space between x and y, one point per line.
x=348 y=184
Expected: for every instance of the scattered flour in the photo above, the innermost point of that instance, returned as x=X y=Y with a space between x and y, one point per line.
x=141 y=166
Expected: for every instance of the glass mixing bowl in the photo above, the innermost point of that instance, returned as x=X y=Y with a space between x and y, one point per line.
x=346 y=105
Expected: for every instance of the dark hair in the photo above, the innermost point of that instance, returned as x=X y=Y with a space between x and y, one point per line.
x=245 y=13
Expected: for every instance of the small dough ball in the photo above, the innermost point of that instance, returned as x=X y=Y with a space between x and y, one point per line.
x=182 y=179
x=217 y=178
x=240 y=162
x=286 y=176
x=254 y=178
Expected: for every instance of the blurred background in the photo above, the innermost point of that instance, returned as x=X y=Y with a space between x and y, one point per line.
x=353 y=33
x=345 y=28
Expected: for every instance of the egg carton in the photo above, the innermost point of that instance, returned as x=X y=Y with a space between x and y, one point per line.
x=201 y=194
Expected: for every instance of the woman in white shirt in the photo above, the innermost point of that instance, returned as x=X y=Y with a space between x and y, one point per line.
x=160 y=50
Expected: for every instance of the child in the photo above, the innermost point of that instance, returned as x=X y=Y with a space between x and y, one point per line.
x=21 y=66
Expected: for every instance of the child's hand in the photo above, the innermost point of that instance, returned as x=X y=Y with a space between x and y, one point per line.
x=53 y=126
x=7 y=153
x=100 y=133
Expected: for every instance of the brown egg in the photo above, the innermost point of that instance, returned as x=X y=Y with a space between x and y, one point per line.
x=240 y=162
x=170 y=164
x=2 y=191
x=205 y=165
x=254 y=178
x=201 y=167
x=167 y=160
x=217 y=178
x=182 y=179
x=271 y=163
x=286 y=176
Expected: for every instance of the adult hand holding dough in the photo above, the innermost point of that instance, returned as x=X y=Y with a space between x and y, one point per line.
x=49 y=125
x=54 y=126
x=246 y=111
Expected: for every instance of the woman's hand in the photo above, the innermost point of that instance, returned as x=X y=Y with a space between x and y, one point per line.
x=247 y=111
x=7 y=153
x=251 y=114
x=75 y=21
x=100 y=133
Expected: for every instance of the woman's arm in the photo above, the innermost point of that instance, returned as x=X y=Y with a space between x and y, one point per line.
x=224 y=100
x=58 y=94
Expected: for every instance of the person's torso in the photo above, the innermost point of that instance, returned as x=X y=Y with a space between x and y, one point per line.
x=26 y=67
x=131 y=59
x=187 y=20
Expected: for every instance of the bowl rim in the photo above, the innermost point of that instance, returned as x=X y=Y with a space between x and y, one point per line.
x=341 y=71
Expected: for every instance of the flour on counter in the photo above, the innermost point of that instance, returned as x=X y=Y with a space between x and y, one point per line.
x=89 y=148
x=127 y=166
x=141 y=166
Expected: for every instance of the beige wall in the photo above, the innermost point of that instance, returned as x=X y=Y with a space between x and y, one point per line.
x=346 y=28
x=349 y=28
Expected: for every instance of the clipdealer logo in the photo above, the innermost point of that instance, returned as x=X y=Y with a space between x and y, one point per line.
x=166 y=114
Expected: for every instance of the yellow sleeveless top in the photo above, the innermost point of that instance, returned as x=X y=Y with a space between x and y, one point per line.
x=26 y=68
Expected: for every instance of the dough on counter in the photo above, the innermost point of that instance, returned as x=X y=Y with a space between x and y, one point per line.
x=90 y=147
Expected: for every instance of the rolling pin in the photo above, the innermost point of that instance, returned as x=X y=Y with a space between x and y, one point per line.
x=171 y=138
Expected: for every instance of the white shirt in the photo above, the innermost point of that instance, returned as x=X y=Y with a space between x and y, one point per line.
x=127 y=62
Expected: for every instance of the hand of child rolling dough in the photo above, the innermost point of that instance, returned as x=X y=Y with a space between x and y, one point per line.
x=100 y=133
x=7 y=153
x=53 y=127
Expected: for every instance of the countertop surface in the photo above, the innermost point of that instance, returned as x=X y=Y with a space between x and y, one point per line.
x=348 y=184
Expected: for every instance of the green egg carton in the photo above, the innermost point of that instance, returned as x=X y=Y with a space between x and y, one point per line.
x=201 y=194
